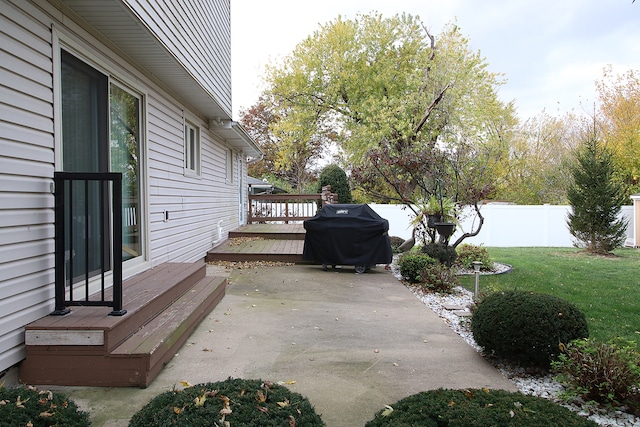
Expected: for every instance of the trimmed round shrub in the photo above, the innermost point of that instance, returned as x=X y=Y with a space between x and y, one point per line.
x=334 y=176
x=40 y=408
x=412 y=265
x=444 y=253
x=240 y=402
x=477 y=408
x=468 y=253
x=526 y=327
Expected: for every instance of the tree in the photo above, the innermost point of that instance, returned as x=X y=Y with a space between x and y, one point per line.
x=536 y=170
x=334 y=176
x=257 y=121
x=292 y=141
x=412 y=116
x=596 y=199
x=619 y=115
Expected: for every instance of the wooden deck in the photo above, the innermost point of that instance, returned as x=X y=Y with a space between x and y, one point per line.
x=90 y=348
x=262 y=242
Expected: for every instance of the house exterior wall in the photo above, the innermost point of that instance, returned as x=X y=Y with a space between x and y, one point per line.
x=31 y=32
x=198 y=32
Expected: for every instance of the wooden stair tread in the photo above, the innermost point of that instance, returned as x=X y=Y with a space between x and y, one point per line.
x=166 y=325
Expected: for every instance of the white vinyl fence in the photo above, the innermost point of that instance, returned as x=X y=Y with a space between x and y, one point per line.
x=504 y=225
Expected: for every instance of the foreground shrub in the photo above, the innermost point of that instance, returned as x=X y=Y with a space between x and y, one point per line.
x=468 y=253
x=438 y=278
x=443 y=253
x=236 y=401
x=526 y=327
x=412 y=265
x=28 y=406
x=607 y=373
x=477 y=408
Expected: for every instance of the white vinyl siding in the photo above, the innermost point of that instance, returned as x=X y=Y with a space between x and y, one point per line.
x=198 y=33
x=28 y=151
x=26 y=169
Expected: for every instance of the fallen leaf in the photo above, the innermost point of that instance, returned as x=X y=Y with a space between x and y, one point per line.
x=19 y=402
x=284 y=403
x=225 y=411
x=292 y=421
x=199 y=401
x=387 y=411
x=48 y=393
x=452 y=403
x=177 y=410
x=261 y=397
x=262 y=409
x=186 y=384
x=46 y=414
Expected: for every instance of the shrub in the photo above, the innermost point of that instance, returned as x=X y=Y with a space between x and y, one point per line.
x=438 y=277
x=468 y=253
x=413 y=264
x=21 y=406
x=395 y=242
x=334 y=176
x=444 y=253
x=240 y=402
x=526 y=327
x=607 y=373
x=478 y=408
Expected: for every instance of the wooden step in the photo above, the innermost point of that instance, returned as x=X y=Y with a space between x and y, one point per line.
x=258 y=250
x=133 y=351
x=157 y=341
x=270 y=231
x=144 y=295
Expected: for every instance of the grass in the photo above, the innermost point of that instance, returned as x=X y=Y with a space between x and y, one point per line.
x=606 y=289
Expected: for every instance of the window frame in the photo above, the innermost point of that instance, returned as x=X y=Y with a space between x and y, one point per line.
x=192 y=148
x=229 y=157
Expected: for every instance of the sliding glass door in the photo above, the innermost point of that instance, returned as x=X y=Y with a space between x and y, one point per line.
x=100 y=133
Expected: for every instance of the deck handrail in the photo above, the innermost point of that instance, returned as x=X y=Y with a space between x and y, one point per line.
x=282 y=207
x=81 y=200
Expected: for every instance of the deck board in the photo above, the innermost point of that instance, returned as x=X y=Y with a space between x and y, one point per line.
x=265 y=242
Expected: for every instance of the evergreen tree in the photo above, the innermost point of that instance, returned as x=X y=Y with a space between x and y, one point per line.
x=596 y=199
x=334 y=176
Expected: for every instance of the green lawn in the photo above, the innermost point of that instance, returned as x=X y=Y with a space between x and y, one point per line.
x=606 y=289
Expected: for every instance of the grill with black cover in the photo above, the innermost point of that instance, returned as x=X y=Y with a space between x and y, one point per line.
x=347 y=234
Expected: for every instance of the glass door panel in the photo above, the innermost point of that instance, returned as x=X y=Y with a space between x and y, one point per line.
x=84 y=134
x=124 y=149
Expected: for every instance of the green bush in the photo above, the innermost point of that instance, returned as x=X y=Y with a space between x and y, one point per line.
x=607 y=373
x=334 y=176
x=439 y=278
x=21 y=406
x=395 y=243
x=443 y=253
x=468 y=253
x=477 y=408
x=526 y=327
x=251 y=403
x=413 y=264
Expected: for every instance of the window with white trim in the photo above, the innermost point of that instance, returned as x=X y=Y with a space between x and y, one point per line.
x=191 y=148
x=229 y=165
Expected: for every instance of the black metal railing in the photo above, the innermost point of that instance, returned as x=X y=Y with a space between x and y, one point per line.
x=88 y=240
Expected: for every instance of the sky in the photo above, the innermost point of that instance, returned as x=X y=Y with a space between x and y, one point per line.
x=550 y=52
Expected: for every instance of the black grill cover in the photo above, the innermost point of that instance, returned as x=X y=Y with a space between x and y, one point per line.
x=341 y=234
